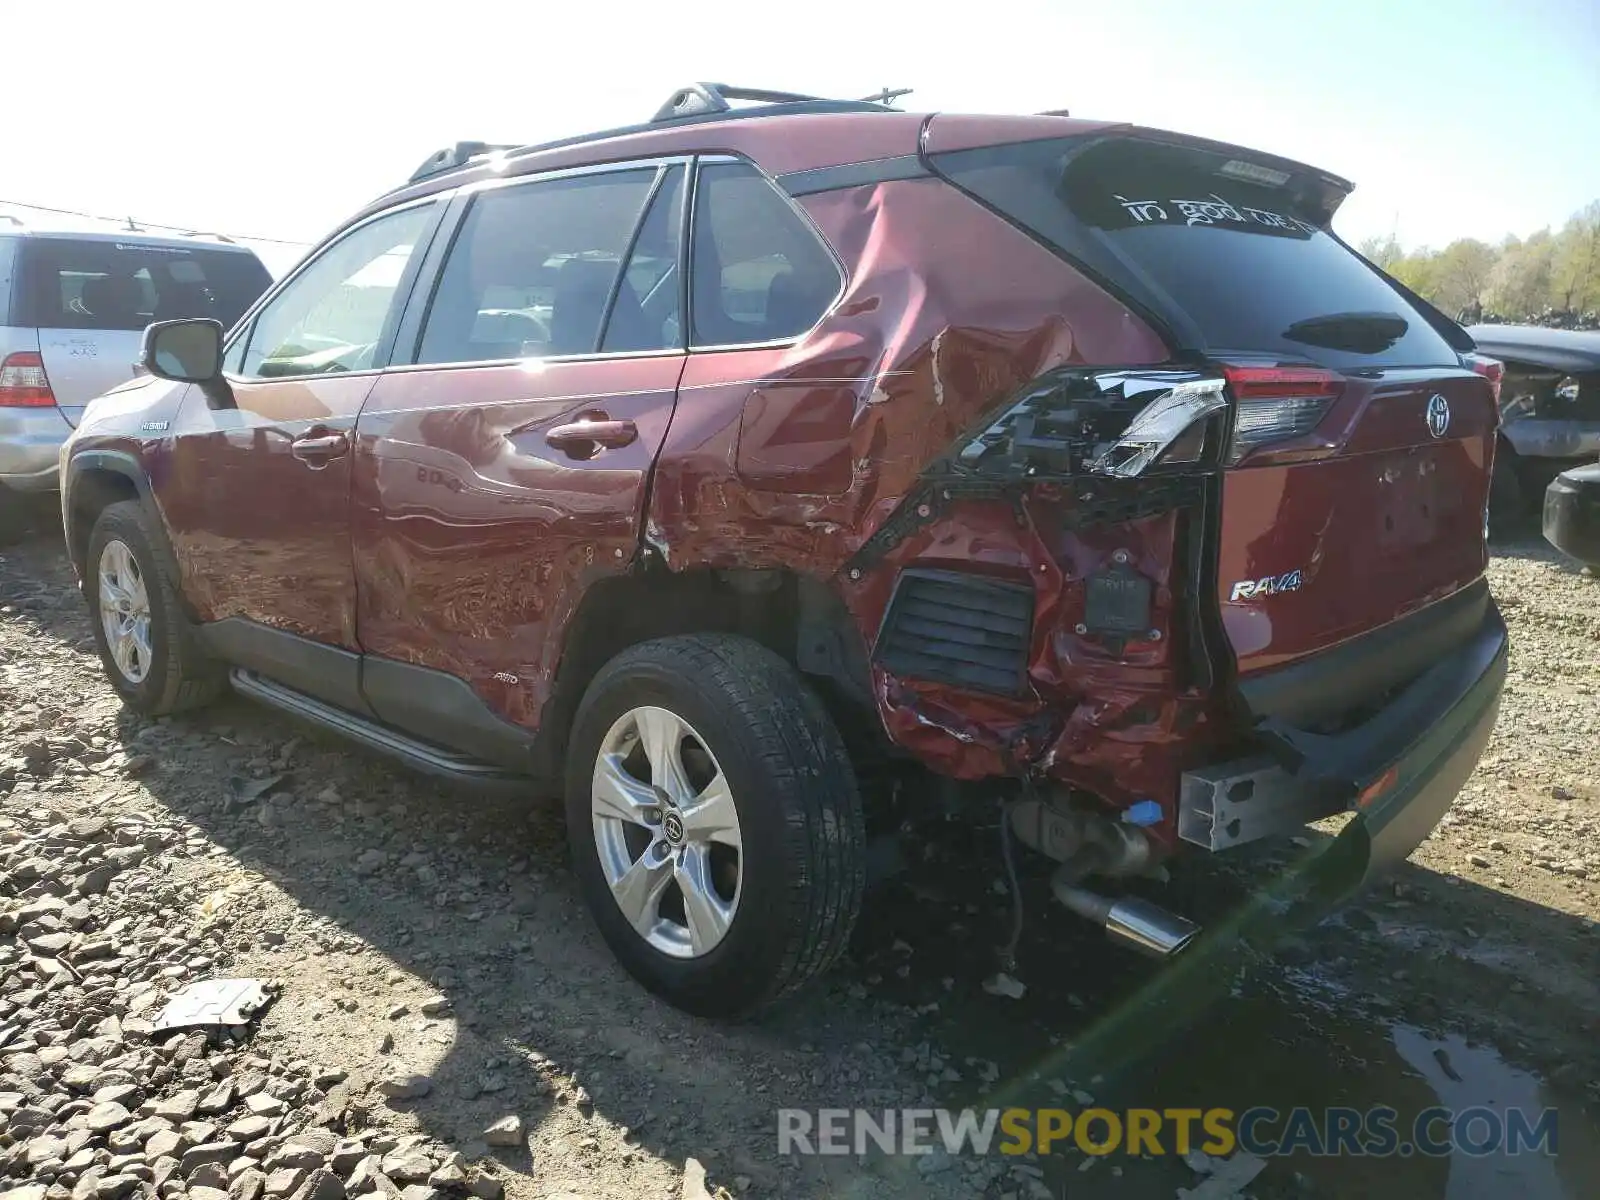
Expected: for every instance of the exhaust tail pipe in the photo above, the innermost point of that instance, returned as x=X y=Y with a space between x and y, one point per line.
x=1138 y=923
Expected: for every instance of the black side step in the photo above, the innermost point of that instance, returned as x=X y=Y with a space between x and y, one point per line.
x=414 y=753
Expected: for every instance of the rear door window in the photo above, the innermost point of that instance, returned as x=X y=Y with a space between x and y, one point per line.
x=103 y=284
x=535 y=269
x=644 y=315
x=1237 y=249
x=760 y=273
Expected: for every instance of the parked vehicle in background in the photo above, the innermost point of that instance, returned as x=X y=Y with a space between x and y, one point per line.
x=1549 y=410
x=73 y=307
x=769 y=476
x=1572 y=514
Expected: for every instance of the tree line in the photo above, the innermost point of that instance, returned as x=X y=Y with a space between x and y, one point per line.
x=1545 y=279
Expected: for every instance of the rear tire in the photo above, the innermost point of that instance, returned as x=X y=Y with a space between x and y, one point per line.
x=740 y=724
x=146 y=644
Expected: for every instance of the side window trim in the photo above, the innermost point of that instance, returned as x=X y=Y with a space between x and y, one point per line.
x=711 y=160
x=382 y=356
x=430 y=270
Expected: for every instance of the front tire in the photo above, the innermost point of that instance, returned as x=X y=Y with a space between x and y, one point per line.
x=714 y=821
x=145 y=642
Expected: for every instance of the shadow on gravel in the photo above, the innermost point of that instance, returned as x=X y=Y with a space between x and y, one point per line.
x=474 y=897
x=1528 y=544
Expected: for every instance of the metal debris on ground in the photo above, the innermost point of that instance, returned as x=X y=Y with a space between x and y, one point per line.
x=1004 y=985
x=214 y=1003
x=1227 y=1178
x=242 y=791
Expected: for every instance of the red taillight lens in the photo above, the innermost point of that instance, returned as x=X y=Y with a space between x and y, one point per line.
x=1491 y=369
x=1278 y=403
x=23 y=383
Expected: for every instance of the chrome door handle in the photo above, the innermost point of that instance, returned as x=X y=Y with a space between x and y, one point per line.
x=317 y=449
x=582 y=437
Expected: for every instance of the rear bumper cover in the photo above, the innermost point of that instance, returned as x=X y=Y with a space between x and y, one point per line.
x=1398 y=771
x=1572 y=513
x=30 y=442
x=1548 y=437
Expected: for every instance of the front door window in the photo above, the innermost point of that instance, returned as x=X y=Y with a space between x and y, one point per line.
x=334 y=315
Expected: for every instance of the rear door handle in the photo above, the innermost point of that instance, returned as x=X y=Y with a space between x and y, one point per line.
x=317 y=448
x=581 y=438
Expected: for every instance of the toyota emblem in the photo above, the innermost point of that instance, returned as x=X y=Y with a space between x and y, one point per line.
x=1438 y=415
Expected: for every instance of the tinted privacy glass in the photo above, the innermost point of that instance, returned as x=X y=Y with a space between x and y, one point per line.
x=533 y=268
x=760 y=274
x=331 y=316
x=127 y=285
x=1248 y=261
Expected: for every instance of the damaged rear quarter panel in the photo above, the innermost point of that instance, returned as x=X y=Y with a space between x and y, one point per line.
x=791 y=457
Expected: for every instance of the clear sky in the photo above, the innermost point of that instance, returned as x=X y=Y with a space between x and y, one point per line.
x=1454 y=117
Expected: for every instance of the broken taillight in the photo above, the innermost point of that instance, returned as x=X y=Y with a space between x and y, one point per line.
x=1491 y=369
x=1170 y=429
x=1077 y=421
x=1277 y=403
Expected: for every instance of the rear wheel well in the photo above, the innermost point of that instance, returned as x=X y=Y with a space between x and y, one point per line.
x=796 y=616
x=93 y=491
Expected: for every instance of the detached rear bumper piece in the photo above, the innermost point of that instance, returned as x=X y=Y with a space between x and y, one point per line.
x=1572 y=513
x=1398 y=770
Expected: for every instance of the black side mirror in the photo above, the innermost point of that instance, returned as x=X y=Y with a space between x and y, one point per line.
x=187 y=351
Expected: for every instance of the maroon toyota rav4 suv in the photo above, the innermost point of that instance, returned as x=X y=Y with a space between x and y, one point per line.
x=764 y=473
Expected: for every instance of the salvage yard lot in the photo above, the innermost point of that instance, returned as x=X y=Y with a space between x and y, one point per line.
x=438 y=974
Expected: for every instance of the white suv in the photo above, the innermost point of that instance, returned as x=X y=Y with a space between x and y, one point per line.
x=73 y=307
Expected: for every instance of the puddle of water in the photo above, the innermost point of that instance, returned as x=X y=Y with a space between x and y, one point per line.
x=1203 y=1032
x=1284 y=1051
x=1465 y=1076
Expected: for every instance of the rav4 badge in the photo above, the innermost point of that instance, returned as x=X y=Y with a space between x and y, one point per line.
x=1271 y=585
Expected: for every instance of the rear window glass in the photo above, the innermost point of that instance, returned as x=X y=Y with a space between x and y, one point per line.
x=1238 y=248
x=127 y=285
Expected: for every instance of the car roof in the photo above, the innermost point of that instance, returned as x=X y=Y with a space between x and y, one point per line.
x=1556 y=349
x=16 y=225
x=794 y=133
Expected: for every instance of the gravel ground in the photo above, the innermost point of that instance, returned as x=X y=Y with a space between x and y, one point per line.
x=446 y=1023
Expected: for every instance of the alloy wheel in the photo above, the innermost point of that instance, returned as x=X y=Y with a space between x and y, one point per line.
x=667 y=832
x=125 y=611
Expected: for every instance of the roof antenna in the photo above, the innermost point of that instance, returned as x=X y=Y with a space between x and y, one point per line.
x=886 y=96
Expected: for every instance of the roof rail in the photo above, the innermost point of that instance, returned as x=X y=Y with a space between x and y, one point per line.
x=206 y=233
x=13 y=218
x=451 y=157
x=688 y=105
x=702 y=99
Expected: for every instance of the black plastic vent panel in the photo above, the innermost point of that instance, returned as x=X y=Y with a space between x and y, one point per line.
x=947 y=627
